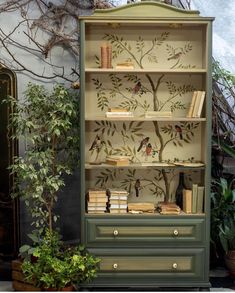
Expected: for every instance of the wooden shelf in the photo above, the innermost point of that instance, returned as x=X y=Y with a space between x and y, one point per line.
x=156 y=214
x=147 y=70
x=139 y=166
x=141 y=118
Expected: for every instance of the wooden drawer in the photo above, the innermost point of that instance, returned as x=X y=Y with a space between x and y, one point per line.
x=144 y=231
x=155 y=266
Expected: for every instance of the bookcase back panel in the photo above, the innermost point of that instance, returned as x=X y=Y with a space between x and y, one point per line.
x=135 y=92
x=125 y=139
x=151 y=181
x=154 y=46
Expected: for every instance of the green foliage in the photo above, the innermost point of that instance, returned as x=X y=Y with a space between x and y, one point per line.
x=55 y=266
x=48 y=123
x=120 y=46
x=188 y=129
x=223 y=214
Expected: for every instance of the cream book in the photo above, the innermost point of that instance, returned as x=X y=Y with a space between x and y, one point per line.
x=190 y=111
x=200 y=199
x=119 y=114
x=117 y=201
x=118 y=197
x=152 y=114
x=196 y=104
x=200 y=106
x=118 y=206
x=194 y=198
x=98 y=199
x=187 y=201
x=118 y=211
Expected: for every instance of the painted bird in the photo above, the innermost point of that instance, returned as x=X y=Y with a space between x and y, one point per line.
x=148 y=149
x=136 y=88
x=143 y=143
x=178 y=129
x=176 y=56
x=96 y=143
x=137 y=187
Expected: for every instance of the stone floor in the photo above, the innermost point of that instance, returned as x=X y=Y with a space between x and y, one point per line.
x=219 y=278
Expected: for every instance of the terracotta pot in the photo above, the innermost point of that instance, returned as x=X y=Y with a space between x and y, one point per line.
x=230 y=262
x=68 y=288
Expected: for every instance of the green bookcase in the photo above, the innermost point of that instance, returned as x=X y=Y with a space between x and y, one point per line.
x=157 y=57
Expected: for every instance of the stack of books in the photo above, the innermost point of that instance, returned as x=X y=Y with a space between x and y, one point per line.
x=118 y=113
x=141 y=207
x=118 y=201
x=116 y=160
x=193 y=199
x=196 y=105
x=97 y=201
x=168 y=208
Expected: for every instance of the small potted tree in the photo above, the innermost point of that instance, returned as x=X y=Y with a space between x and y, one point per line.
x=48 y=123
x=223 y=220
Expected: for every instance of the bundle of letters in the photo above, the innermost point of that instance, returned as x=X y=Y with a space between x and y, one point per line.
x=97 y=201
x=118 y=201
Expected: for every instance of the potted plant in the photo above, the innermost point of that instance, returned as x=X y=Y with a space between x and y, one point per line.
x=223 y=217
x=59 y=268
x=227 y=238
x=47 y=121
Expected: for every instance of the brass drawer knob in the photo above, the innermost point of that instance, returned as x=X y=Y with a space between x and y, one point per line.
x=176 y=232
x=174 y=266
x=115 y=266
x=115 y=232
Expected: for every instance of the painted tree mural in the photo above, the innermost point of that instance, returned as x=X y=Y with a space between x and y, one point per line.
x=140 y=92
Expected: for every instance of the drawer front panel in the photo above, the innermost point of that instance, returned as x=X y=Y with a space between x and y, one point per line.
x=157 y=265
x=141 y=232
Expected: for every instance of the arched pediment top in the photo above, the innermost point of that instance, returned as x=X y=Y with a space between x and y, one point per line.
x=144 y=9
x=7 y=75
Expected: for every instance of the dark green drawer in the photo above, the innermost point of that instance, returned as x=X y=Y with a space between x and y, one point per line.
x=147 y=232
x=151 y=266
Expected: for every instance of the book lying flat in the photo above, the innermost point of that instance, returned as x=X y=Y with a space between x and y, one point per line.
x=97 y=204
x=125 y=65
x=117 y=110
x=117 y=163
x=119 y=114
x=117 y=201
x=118 y=196
x=118 y=211
x=141 y=206
x=152 y=114
x=96 y=208
x=118 y=206
x=98 y=199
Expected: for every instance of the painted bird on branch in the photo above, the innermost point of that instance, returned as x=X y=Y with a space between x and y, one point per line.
x=143 y=143
x=96 y=143
x=175 y=56
x=137 y=187
x=148 y=149
x=136 y=88
x=178 y=129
